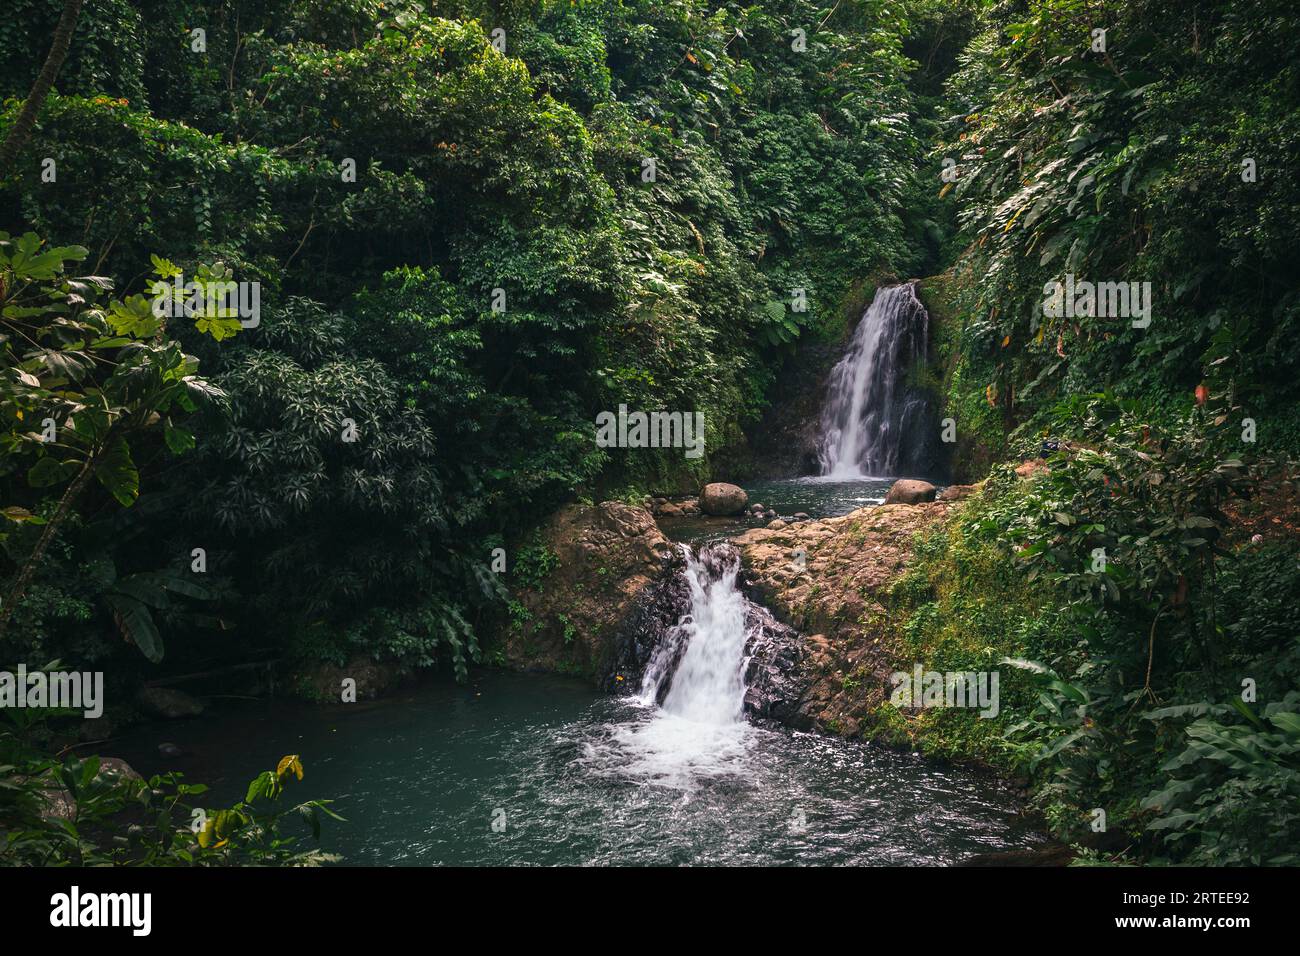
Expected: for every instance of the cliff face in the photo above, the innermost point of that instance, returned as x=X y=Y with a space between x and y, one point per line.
x=824 y=640
x=785 y=441
x=607 y=600
x=960 y=388
x=830 y=580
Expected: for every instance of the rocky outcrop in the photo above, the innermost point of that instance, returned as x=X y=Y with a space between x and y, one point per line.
x=720 y=498
x=909 y=491
x=976 y=448
x=323 y=682
x=687 y=507
x=786 y=441
x=58 y=803
x=772 y=650
x=167 y=703
x=775 y=679
x=652 y=613
x=829 y=579
x=958 y=492
x=605 y=602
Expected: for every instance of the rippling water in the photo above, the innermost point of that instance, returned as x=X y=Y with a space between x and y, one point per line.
x=581 y=779
x=820 y=497
x=540 y=770
x=813 y=496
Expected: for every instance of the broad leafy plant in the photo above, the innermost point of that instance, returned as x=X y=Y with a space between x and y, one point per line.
x=85 y=379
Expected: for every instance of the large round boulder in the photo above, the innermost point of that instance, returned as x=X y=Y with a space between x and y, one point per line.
x=720 y=498
x=910 y=491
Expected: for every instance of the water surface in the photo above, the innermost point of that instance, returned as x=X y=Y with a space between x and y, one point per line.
x=816 y=497
x=582 y=779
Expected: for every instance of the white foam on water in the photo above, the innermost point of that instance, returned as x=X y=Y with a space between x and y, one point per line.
x=699 y=733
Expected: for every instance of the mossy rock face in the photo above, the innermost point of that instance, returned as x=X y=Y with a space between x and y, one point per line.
x=963 y=392
x=833 y=580
x=606 y=596
x=785 y=441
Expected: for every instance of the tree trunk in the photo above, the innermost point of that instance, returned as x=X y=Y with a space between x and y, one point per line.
x=22 y=127
x=28 y=570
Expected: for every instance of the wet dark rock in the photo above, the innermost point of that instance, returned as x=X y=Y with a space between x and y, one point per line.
x=649 y=619
x=785 y=442
x=165 y=702
x=774 y=682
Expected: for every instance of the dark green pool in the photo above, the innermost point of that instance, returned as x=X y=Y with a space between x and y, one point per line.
x=573 y=778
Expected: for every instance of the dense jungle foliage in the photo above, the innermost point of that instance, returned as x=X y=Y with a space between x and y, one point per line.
x=476 y=170
x=1155 y=564
x=476 y=225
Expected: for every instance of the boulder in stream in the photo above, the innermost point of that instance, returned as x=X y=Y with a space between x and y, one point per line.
x=168 y=703
x=720 y=498
x=910 y=491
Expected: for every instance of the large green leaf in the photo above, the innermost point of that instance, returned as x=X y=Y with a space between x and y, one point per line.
x=116 y=471
x=137 y=625
x=153 y=585
x=51 y=471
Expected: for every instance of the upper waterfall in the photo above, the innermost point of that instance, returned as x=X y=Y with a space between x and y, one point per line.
x=875 y=423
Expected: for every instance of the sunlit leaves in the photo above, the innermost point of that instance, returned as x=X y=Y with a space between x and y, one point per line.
x=289 y=765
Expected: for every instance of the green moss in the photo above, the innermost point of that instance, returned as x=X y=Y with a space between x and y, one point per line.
x=963 y=605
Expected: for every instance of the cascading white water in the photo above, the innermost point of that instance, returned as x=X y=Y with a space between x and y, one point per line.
x=707 y=685
x=871 y=422
x=695 y=684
